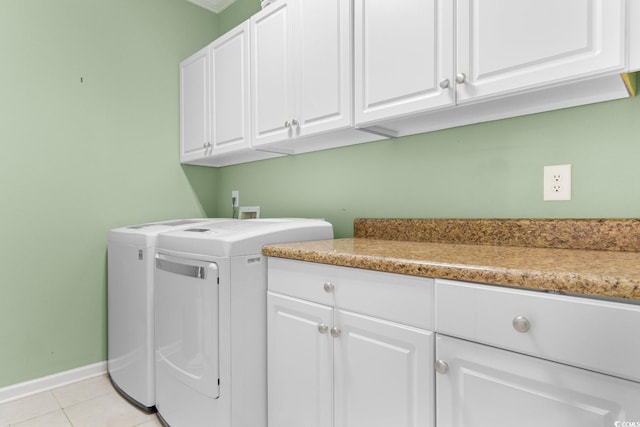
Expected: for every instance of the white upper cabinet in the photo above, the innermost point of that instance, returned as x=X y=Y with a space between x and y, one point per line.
x=272 y=73
x=506 y=46
x=415 y=60
x=230 y=126
x=308 y=75
x=194 y=106
x=215 y=126
x=323 y=65
x=633 y=18
x=403 y=54
x=300 y=359
x=301 y=69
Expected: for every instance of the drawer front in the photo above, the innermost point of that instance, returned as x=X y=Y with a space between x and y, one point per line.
x=398 y=298
x=599 y=335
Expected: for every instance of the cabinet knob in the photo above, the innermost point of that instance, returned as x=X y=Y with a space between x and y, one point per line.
x=295 y=123
x=322 y=328
x=287 y=124
x=335 y=332
x=328 y=287
x=461 y=78
x=444 y=84
x=521 y=324
x=441 y=367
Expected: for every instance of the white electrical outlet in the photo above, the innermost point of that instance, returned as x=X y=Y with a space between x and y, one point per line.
x=557 y=182
x=235 y=198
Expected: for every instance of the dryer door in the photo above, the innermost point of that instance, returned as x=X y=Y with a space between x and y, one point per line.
x=186 y=319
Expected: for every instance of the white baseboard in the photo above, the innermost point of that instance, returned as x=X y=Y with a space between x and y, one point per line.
x=27 y=388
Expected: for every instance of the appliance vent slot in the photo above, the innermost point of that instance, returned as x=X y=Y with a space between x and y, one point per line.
x=198 y=230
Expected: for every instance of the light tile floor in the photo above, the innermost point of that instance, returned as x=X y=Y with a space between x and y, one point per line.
x=89 y=403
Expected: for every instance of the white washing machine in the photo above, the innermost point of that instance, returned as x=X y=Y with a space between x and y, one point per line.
x=130 y=261
x=211 y=334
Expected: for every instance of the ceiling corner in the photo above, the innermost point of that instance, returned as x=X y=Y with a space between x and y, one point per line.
x=215 y=6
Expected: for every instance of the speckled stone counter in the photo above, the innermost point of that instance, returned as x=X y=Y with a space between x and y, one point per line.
x=590 y=234
x=611 y=273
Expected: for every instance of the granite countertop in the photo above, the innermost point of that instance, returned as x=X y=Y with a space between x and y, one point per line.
x=601 y=273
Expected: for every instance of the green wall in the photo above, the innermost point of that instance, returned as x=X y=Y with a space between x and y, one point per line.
x=79 y=158
x=485 y=170
x=480 y=171
x=236 y=13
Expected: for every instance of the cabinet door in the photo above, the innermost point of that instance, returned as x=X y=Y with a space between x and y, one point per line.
x=506 y=46
x=300 y=367
x=230 y=127
x=272 y=73
x=403 y=51
x=486 y=386
x=383 y=374
x=194 y=108
x=323 y=65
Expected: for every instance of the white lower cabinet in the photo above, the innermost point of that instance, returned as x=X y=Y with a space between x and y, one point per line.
x=328 y=366
x=507 y=357
x=484 y=386
x=357 y=348
x=383 y=373
x=300 y=358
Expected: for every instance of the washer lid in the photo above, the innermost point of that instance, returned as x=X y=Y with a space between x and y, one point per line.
x=243 y=237
x=145 y=234
x=173 y=223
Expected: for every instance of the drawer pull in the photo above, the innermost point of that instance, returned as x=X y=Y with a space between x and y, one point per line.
x=322 y=328
x=521 y=324
x=441 y=367
x=335 y=332
x=328 y=287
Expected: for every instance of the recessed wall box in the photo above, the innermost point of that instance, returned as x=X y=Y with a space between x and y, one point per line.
x=249 y=212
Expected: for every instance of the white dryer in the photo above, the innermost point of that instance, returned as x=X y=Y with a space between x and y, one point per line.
x=130 y=262
x=210 y=307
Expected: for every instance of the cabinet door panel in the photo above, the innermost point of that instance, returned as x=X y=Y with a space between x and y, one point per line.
x=230 y=90
x=509 y=46
x=323 y=64
x=485 y=386
x=271 y=73
x=403 y=50
x=383 y=374
x=194 y=119
x=300 y=367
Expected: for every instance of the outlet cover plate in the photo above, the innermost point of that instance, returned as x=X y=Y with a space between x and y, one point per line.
x=557 y=182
